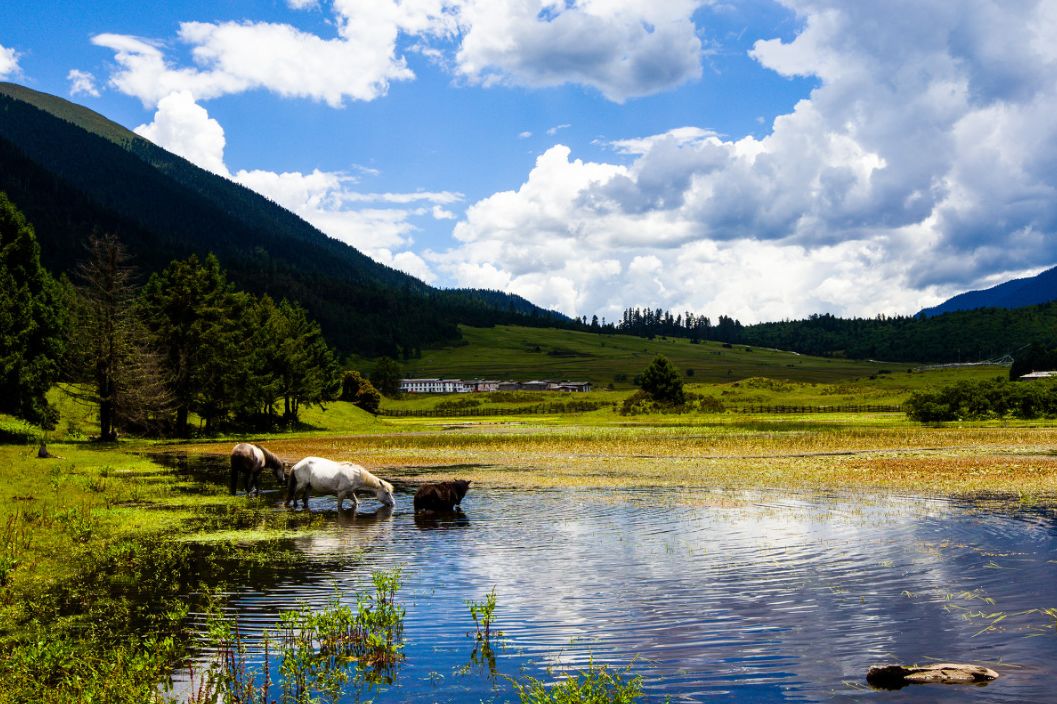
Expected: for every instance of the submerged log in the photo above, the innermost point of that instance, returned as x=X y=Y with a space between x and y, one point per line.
x=897 y=676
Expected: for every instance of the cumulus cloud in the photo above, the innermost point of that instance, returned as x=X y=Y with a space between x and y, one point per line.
x=184 y=127
x=8 y=63
x=925 y=162
x=622 y=48
x=82 y=83
x=232 y=57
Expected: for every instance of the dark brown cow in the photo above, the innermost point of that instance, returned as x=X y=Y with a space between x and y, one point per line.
x=441 y=496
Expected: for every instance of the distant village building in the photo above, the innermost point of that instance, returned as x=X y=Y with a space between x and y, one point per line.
x=431 y=386
x=463 y=386
x=1037 y=375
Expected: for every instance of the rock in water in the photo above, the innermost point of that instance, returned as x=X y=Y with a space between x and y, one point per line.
x=896 y=676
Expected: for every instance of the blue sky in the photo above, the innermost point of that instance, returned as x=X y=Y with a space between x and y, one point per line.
x=763 y=159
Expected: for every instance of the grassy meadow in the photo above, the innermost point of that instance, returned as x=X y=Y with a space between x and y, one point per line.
x=512 y=352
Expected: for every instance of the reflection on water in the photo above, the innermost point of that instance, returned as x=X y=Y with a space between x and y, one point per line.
x=748 y=597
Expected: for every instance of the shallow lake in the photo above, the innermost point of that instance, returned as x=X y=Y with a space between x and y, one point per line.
x=759 y=597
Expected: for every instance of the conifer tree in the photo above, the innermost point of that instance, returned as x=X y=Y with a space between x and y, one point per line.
x=662 y=382
x=110 y=356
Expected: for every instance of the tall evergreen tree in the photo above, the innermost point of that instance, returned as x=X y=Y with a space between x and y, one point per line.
x=193 y=313
x=110 y=351
x=303 y=364
x=32 y=321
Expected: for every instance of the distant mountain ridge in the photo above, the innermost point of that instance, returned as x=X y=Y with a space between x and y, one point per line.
x=74 y=172
x=1017 y=293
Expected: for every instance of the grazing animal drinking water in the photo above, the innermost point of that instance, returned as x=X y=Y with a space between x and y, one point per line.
x=441 y=496
x=342 y=479
x=249 y=460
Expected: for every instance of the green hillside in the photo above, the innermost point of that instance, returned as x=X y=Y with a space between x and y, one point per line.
x=72 y=172
x=514 y=352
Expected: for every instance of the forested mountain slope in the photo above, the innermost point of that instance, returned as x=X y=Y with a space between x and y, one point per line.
x=1017 y=293
x=73 y=172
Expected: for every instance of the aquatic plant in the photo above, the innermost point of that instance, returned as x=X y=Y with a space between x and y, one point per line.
x=597 y=684
x=482 y=613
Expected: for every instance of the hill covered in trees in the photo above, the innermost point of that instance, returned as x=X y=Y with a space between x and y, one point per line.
x=74 y=173
x=961 y=336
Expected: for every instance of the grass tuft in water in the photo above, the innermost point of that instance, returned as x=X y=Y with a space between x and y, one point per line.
x=316 y=651
x=482 y=613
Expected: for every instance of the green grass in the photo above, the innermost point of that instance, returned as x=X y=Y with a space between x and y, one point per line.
x=96 y=567
x=884 y=386
x=512 y=352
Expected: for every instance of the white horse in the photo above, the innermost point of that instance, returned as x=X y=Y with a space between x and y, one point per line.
x=339 y=478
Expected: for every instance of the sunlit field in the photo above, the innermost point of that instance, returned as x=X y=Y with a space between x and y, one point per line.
x=730 y=449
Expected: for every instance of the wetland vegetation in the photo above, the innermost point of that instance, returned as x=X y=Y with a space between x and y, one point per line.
x=124 y=564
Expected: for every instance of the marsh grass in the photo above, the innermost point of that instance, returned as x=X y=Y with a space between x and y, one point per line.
x=882 y=452
x=597 y=684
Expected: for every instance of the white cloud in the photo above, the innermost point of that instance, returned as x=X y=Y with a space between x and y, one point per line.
x=9 y=63
x=183 y=127
x=622 y=48
x=379 y=230
x=82 y=83
x=925 y=162
x=554 y=130
x=233 y=57
x=524 y=135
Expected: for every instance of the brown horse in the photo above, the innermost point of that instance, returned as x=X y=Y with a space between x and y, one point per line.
x=249 y=460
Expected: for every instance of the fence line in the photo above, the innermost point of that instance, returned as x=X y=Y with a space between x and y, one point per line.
x=863 y=408
x=541 y=408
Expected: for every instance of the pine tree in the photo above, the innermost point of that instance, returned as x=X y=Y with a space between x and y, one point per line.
x=110 y=357
x=662 y=382
x=194 y=314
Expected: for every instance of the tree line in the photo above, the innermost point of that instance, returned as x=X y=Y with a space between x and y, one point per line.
x=150 y=357
x=961 y=336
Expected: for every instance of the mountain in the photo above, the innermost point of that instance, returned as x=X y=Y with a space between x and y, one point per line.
x=74 y=172
x=1017 y=293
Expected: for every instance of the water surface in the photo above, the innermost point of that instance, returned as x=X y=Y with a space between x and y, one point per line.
x=759 y=597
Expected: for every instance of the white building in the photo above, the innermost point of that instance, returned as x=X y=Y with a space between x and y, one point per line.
x=462 y=386
x=434 y=386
